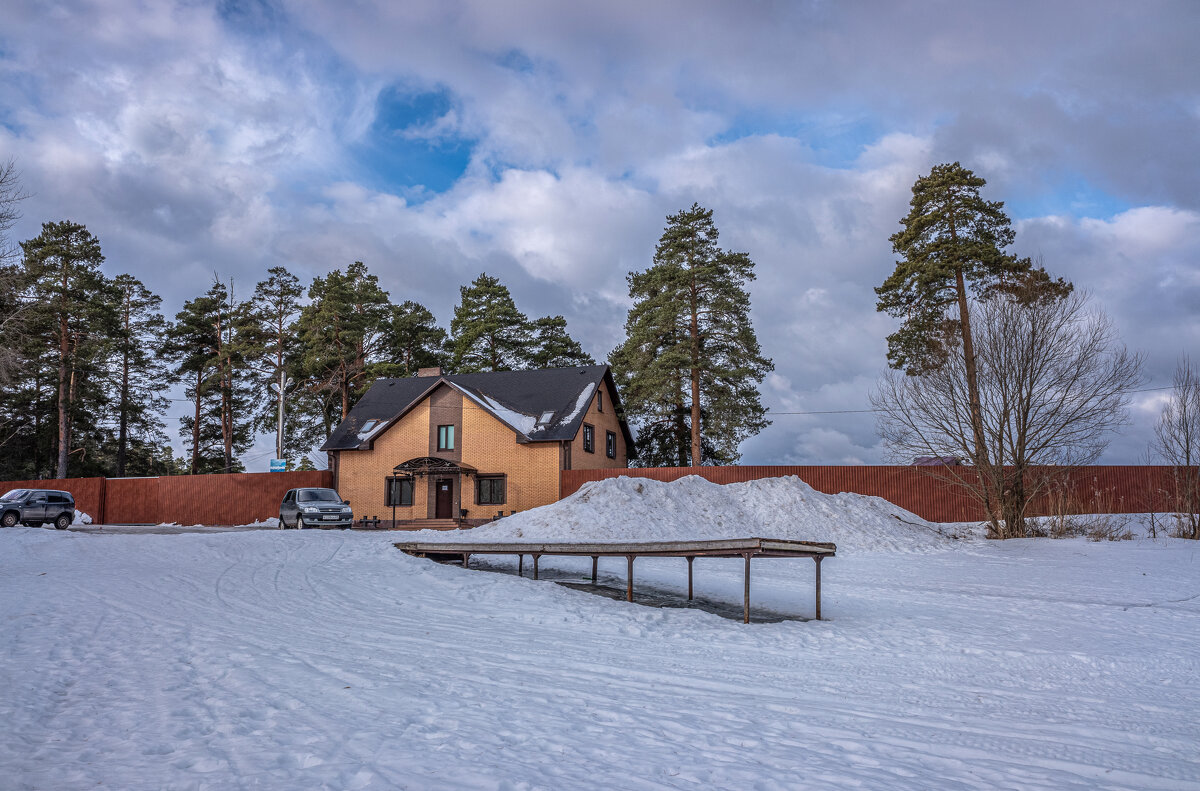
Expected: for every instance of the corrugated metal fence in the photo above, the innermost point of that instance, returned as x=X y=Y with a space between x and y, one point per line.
x=235 y=499
x=928 y=493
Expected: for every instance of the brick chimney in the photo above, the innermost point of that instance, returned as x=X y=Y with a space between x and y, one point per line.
x=429 y=372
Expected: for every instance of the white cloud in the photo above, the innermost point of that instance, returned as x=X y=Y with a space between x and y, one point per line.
x=190 y=143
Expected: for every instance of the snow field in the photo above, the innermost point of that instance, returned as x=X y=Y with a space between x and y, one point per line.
x=327 y=659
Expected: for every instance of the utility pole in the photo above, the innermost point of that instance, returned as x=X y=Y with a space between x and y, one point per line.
x=281 y=389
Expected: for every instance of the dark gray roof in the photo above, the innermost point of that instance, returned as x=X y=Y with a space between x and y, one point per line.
x=546 y=405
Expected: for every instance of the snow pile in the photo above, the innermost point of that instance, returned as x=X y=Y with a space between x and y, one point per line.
x=81 y=518
x=692 y=508
x=272 y=521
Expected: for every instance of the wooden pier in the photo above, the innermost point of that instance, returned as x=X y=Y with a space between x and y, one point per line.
x=745 y=548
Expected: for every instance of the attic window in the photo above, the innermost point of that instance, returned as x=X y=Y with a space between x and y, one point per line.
x=368 y=426
x=546 y=417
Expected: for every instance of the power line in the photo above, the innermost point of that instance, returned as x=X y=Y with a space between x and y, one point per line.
x=864 y=411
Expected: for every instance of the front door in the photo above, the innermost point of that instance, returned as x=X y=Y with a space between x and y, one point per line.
x=443 y=507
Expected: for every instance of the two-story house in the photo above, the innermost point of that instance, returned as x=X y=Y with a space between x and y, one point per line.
x=463 y=448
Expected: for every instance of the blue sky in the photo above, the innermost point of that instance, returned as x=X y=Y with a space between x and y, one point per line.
x=546 y=142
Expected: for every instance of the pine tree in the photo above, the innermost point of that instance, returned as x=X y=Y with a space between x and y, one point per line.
x=553 y=347
x=138 y=374
x=207 y=344
x=237 y=341
x=277 y=362
x=343 y=331
x=691 y=362
x=952 y=240
x=488 y=333
x=69 y=312
x=415 y=341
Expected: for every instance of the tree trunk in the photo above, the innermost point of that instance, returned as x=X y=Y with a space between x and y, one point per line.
x=1012 y=504
x=694 y=329
x=123 y=429
x=196 y=424
x=982 y=464
x=64 y=438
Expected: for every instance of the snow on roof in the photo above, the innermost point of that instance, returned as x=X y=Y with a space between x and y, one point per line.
x=692 y=508
x=518 y=420
x=370 y=428
x=581 y=402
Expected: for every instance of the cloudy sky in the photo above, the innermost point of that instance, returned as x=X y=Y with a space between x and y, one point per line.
x=545 y=143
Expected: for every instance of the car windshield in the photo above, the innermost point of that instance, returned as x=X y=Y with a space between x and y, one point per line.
x=15 y=494
x=319 y=496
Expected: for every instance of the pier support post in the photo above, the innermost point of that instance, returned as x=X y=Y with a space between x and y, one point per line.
x=746 y=600
x=818 y=559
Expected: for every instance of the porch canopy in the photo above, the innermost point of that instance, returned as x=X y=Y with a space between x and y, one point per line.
x=431 y=465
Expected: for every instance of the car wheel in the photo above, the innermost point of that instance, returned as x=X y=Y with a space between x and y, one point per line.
x=299 y=523
x=9 y=519
x=281 y=522
x=63 y=522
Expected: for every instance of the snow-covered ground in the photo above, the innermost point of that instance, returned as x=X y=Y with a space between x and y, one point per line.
x=640 y=509
x=327 y=659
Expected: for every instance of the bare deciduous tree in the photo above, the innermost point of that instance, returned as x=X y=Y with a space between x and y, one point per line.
x=1053 y=382
x=1177 y=442
x=10 y=276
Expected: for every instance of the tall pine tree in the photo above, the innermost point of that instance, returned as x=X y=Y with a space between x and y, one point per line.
x=277 y=361
x=952 y=242
x=691 y=362
x=206 y=343
x=553 y=347
x=137 y=374
x=70 y=312
x=415 y=341
x=343 y=331
x=488 y=333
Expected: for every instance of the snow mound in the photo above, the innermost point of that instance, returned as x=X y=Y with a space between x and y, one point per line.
x=692 y=508
x=272 y=521
x=81 y=518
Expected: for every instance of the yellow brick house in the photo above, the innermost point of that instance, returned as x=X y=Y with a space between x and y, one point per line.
x=438 y=450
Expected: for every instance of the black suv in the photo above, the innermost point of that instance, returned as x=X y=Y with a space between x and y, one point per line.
x=314 y=508
x=34 y=507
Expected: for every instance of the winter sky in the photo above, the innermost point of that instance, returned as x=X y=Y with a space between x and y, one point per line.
x=546 y=142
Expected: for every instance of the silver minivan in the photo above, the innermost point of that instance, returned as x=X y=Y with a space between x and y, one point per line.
x=303 y=508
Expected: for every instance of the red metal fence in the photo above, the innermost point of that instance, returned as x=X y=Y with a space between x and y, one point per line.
x=246 y=497
x=234 y=499
x=1101 y=489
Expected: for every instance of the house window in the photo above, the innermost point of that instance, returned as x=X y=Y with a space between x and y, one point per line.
x=589 y=438
x=445 y=437
x=489 y=490
x=610 y=444
x=599 y=400
x=399 y=491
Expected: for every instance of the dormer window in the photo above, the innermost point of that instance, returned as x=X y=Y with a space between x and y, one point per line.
x=368 y=428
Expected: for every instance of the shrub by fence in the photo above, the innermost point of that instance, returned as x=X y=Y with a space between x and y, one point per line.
x=1099 y=489
x=235 y=499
